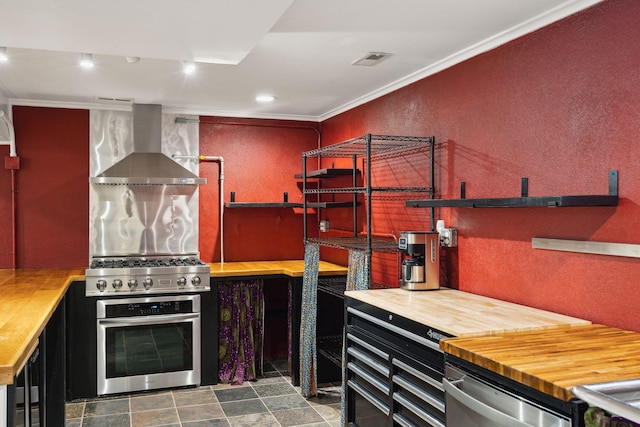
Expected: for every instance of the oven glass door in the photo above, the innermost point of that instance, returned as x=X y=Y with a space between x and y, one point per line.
x=148 y=349
x=148 y=352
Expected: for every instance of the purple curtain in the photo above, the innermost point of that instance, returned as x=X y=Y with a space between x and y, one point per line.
x=241 y=333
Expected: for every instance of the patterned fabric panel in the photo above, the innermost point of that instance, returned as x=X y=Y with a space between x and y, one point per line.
x=308 y=357
x=241 y=335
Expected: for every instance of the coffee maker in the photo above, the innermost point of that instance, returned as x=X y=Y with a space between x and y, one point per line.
x=421 y=260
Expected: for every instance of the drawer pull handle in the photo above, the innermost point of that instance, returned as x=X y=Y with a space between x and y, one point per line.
x=368 y=346
x=370 y=397
x=368 y=360
x=368 y=377
x=426 y=378
x=393 y=328
x=426 y=397
x=416 y=410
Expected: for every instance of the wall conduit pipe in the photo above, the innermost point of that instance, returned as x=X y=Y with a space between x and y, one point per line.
x=11 y=142
x=220 y=160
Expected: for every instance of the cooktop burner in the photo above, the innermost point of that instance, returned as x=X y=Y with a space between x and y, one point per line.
x=137 y=275
x=142 y=262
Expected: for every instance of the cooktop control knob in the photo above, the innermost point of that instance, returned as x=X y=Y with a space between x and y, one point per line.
x=101 y=285
x=117 y=283
x=147 y=283
x=133 y=283
x=181 y=281
x=196 y=281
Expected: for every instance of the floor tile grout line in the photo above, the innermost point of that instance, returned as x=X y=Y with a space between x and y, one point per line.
x=265 y=405
x=280 y=375
x=175 y=408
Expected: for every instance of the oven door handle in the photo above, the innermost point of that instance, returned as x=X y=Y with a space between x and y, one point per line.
x=480 y=407
x=148 y=320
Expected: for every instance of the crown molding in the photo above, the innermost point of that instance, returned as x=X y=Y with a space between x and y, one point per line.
x=562 y=11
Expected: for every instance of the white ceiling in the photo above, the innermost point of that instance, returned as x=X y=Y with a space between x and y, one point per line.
x=300 y=51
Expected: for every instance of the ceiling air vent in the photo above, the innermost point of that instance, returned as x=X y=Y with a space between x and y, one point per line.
x=109 y=99
x=371 y=59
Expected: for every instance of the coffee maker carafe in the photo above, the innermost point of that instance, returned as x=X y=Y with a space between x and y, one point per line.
x=420 y=264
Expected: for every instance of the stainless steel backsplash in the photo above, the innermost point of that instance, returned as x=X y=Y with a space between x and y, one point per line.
x=141 y=219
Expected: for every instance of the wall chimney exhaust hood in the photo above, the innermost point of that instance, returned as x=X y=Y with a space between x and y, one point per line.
x=147 y=164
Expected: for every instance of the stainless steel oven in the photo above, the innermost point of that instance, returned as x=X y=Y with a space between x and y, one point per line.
x=148 y=343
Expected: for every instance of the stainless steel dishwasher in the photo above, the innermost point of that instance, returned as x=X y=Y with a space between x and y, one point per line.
x=472 y=401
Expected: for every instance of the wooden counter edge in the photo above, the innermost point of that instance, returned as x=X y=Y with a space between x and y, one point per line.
x=448 y=345
x=9 y=372
x=275 y=268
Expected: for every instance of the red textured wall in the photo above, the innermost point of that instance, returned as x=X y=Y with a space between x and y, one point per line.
x=560 y=106
x=261 y=158
x=53 y=189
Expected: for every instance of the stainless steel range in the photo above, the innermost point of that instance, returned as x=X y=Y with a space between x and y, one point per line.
x=143 y=213
x=135 y=275
x=147 y=291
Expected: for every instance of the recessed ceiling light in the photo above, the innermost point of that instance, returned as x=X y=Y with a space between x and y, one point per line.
x=86 y=60
x=188 y=67
x=371 y=58
x=3 y=54
x=265 y=98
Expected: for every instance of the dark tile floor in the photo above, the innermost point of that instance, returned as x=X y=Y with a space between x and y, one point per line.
x=270 y=401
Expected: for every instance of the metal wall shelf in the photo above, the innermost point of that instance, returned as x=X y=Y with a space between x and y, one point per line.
x=262 y=205
x=370 y=145
x=524 y=200
x=361 y=243
x=367 y=146
x=327 y=173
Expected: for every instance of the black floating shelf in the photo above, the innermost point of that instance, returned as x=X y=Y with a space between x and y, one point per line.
x=327 y=173
x=518 y=202
x=525 y=201
x=262 y=205
x=330 y=204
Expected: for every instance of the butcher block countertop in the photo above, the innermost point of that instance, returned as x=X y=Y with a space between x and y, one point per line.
x=463 y=314
x=553 y=361
x=292 y=268
x=28 y=298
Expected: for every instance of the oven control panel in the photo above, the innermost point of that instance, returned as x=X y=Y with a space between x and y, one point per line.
x=133 y=309
x=149 y=276
x=147 y=284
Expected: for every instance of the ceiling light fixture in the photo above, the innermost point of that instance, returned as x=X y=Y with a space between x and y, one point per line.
x=188 y=67
x=86 y=60
x=3 y=54
x=132 y=59
x=371 y=59
x=265 y=98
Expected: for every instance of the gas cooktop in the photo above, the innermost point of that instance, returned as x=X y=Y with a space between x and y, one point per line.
x=145 y=262
x=146 y=275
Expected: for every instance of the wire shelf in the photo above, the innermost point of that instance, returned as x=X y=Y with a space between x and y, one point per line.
x=359 y=243
x=331 y=348
x=378 y=144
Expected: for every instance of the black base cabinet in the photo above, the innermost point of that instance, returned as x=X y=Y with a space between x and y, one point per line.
x=394 y=369
x=45 y=370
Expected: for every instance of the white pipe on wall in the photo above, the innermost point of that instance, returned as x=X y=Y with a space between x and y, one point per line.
x=220 y=160
x=11 y=142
